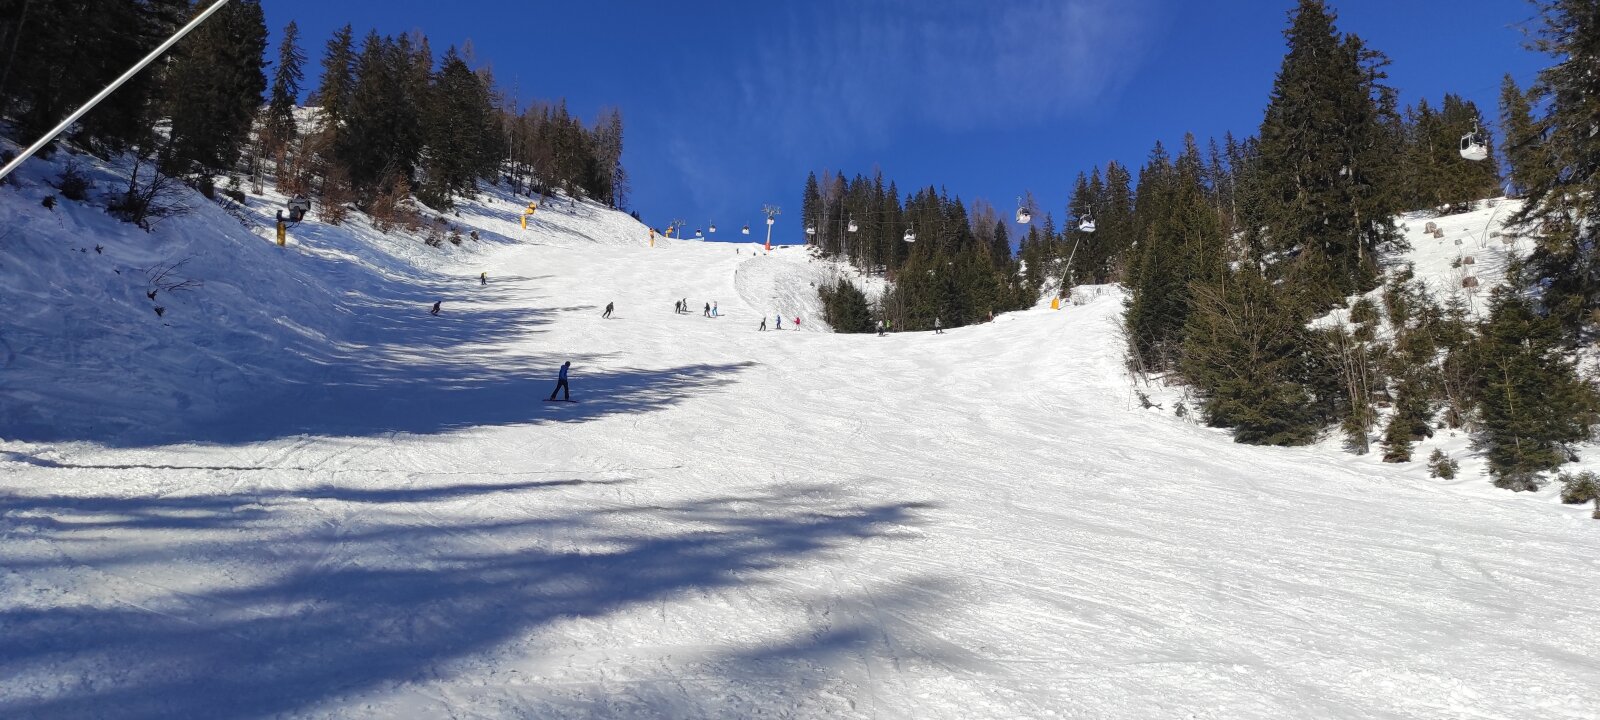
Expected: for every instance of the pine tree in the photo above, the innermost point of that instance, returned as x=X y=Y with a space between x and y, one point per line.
x=1247 y=354
x=55 y=55
x=380 y=139
x=1183 y=245
x=456 y=123
x=608 y=157
x=1409 y=422
x=1425 y=144
x=338 y=77
x=279 y=127
x=1115 y=224
x=1562 y=211
x=846 y=308
x=811 y=206
x=1525 y=151
x=1531 y=404
x=1001 y=245
x=1324 y=160
x=215 y=87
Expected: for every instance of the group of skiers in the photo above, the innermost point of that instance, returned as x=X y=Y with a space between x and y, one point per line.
x=681 y=307
x=778 y=322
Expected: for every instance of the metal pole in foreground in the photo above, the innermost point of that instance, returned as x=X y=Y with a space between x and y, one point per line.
x=109 y=89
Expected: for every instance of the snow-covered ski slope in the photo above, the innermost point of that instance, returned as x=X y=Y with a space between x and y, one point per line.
x=342 y=506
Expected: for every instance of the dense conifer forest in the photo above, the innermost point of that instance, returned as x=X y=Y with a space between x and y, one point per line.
x=391 y=120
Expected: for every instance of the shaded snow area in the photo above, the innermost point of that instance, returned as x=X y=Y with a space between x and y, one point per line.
x=298 y=494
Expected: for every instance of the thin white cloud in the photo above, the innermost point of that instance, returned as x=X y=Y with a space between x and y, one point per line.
x=862 y=69
x=840 y=75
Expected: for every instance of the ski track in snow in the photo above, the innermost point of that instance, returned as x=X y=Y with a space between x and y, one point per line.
x=732 y=523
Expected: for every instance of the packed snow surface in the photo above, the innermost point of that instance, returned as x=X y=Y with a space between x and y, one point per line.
x=381 y=517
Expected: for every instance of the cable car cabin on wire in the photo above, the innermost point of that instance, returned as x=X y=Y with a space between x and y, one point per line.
x=909 y=236
x=1024 y=216
x=852 y=227
x=1473 y=145
x=746 y=230
x=1087 y=225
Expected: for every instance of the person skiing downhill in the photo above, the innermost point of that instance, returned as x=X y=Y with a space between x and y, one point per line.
x=713 y=309
x=561 y=383
x=707 y=312
x=880 y=327
x=483 y=278
x=435 y=310
x=763 y=323
x=936 y=326
x=607 y=313
x=780 y=322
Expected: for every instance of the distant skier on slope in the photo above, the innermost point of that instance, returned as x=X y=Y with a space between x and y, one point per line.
x=483 y=278
x=779 y=322
x=880 y=327
x=707 y=312
x=936 y=326
x=763 y=323
x=435 y=310
x=561 y=383
x=607 y=313
x=713 y=308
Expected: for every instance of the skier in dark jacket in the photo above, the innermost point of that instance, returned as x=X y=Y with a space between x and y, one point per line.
x=561 y=383
x=435 y=310
x=607 y=313
x=707 y=313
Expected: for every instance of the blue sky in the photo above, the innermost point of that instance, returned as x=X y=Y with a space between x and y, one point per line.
x=728 y=105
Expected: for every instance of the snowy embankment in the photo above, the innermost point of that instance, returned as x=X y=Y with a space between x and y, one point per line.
x=367 y=511
x=242 y=321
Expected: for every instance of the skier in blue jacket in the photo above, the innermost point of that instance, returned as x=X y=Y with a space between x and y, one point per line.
x=561 y=383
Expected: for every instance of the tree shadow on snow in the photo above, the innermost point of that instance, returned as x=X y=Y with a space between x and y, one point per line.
x=394 y=368
x=443 y=398
x=332 y=611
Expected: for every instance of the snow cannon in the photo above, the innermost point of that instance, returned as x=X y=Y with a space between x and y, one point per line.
x=299 y=205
